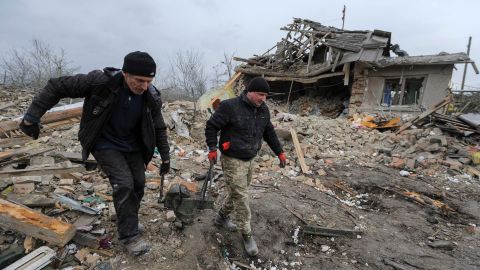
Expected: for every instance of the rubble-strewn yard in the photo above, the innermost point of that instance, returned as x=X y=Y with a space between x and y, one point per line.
x=407 y=201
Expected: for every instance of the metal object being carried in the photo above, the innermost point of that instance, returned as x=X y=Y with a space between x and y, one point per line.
x=185 y=203
x=160 y=198
x=203 y=203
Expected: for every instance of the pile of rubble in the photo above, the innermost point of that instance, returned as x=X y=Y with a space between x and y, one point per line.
x=45 y=180
x=417 y=151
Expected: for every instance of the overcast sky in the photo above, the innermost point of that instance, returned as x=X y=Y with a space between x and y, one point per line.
x=97 y=33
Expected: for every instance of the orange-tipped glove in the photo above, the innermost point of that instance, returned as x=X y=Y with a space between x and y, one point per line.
x=212 y=156
x=283 y=159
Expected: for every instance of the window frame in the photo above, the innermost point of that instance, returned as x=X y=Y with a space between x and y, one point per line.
x=402 y=80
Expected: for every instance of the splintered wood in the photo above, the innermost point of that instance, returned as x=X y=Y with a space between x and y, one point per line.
x=35 y=224
x=435 y=108
x=42 y=171
x=10 y=128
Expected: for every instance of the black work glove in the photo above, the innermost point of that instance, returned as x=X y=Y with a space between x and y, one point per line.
x=165 y=167
x=32 y=130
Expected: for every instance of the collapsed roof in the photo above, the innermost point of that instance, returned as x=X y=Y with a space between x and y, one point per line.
x=311 y=51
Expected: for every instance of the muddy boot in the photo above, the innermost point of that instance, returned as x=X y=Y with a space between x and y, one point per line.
x=250 y=244
x=135 y=245
x=225 y=222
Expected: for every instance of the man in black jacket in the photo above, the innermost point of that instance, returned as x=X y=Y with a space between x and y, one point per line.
x=242 y=122
x=121 y=125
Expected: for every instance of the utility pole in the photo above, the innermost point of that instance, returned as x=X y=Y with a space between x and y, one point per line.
x=343 y=15
x=466 y=64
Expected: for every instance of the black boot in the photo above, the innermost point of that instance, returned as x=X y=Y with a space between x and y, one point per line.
x=250 y=244
x=225 y=222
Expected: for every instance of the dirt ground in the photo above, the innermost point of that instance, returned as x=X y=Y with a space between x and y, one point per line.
x=396 y=231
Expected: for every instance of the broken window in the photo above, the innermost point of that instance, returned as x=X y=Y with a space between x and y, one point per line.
x=402 y=92
x=411 y=93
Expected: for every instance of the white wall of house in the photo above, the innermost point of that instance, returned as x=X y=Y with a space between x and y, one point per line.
x=436 y=82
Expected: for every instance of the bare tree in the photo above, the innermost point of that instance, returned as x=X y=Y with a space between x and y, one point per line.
x=34 y=67
x=17 y=69
x=224 y=70
x=187 y=74
x=229 y=64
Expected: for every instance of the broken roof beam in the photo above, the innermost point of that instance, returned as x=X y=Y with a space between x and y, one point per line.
x=249 y=61
x=327 y=30
x=265 y=72
x=474 y=67
x=310 y=54
x=269 y=50
x=337 y=58
x=305 y=80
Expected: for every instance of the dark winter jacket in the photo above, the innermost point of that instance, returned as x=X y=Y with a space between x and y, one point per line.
x=100 y=89
x=243 y=125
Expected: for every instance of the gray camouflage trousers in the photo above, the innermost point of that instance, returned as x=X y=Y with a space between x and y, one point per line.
x=237 y=174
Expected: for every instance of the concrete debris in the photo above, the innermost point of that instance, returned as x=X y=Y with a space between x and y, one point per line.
x=170 y=216
x=442 y=244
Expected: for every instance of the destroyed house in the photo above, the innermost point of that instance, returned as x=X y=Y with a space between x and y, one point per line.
x=356 y=71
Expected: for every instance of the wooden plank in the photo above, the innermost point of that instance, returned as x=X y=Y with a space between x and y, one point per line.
x=246 y=266
x=310 y=54
x=13 y=153
x=330 y=232
x=27 y=221
x=305 y=80
x=232 y=80
x=51 y=117
x=337 y=58
x=42 y=171
x=249 y=61
x=25 y=156
x=298 y=150
x=7 y=154
x=346 y=70
x=10 y=142
x=435 y=108
x=473 y=171
x=296 y=214
x=76 y=157
x=31 y=200
x=264 y=72
x=65 y=122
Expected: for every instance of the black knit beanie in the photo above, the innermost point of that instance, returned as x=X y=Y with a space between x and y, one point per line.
x=139 y=63
x=258 y=84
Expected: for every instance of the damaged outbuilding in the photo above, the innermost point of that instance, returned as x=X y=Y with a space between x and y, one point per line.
x=353 y=70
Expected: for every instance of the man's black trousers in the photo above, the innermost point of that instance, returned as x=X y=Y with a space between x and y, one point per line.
x=126 y=173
